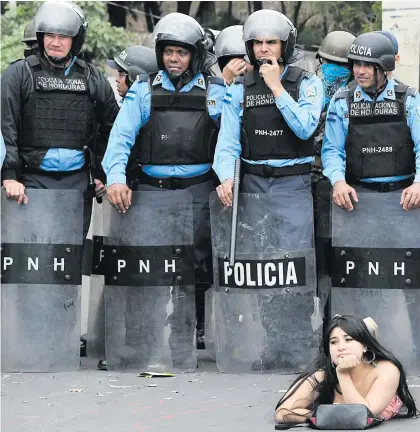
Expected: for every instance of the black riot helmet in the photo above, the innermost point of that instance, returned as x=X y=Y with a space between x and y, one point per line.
x=373 y=48
x=270 y=23
x=29 y=35
x=135 y=60
x=335 y=47
x=64 y=18
x=229 y=44
x=181 y=30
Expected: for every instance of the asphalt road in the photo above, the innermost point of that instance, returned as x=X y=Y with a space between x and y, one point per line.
x=100 y=401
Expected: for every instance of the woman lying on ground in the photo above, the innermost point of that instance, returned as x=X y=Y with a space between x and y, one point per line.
x=353 y=368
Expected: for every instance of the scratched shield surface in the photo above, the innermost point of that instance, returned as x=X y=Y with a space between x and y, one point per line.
x=267 y=316
x=150 y=297
x=376 y=270
x=40 y=306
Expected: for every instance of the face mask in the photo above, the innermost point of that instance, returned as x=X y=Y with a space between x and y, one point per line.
x=333 y=77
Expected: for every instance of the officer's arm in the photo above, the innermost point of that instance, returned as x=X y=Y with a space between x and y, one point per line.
x=228 y=147
x=106 y=110
x=303 y=116
x=15 y=87
x=215 y=95
x=333 y=148
x=2 y=150
x=124 y=132
x=413 y=120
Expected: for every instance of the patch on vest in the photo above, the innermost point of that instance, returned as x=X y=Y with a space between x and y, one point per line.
x=311 y=94
x=364 y=109
x=255 y=100
x=66 y=84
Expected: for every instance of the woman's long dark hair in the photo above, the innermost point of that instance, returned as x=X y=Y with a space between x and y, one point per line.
x=356 y=328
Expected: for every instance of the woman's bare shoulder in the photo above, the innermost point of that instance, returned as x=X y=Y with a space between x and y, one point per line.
x=386 y=366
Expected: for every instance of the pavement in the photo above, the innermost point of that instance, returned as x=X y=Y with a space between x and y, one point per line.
x=100 y=401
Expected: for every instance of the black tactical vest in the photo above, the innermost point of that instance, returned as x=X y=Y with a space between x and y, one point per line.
x=59 y=113
x=265 y=133
x=179 y=131
x=379 y=142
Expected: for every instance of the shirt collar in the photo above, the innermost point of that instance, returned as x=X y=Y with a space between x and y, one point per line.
x=162 y=79
x=387 y=93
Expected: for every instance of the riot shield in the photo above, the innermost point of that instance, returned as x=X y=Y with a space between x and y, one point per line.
x=41 y=278
x=210 y=324
x=149 y=283
x=376 y=272
x=95 y=347
x=267 y=312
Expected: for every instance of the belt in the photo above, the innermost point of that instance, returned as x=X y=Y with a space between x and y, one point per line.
x=268 y=171
x=174 y=182
x=386 y=187
x=54 y=174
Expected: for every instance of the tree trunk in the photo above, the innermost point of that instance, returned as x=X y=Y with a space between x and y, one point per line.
x=152 y=12
x=205 y=10
x=257 y=5
x=184 y=7
x=117 y=15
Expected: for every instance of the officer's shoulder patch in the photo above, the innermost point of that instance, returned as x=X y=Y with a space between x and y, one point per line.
x=311 y=94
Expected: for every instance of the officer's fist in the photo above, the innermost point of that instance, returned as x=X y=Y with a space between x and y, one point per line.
x=119 y=195
x=225 y=192
x=343 y=194
x=15 y=191
x=410 y=197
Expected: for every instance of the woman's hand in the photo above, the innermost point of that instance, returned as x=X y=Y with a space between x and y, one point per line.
x=347 y=363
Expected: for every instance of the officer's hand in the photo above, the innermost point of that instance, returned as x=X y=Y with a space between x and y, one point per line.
x=119 y=195
x=15 y=191
x=234 y=68
x=225 y=192
x=271 y=74
x=343 y=195
x=100 y=188
x=410 y=197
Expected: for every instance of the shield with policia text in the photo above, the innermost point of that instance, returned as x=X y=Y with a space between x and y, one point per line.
x=266 y=309
x=149 y=283
x=376 y=271
x=41 y=281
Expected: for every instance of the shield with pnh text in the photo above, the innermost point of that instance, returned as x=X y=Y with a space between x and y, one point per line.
x=41 y=281
x=149 y=283
x=376 y=271
x=266 y=307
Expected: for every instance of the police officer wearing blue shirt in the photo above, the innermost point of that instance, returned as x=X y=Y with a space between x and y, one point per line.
x=54 y=105
x=372 y=135
x=174 y=144
x=274 y=142
x=267 y=120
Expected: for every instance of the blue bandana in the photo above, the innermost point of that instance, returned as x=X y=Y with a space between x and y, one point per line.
x=333 y=77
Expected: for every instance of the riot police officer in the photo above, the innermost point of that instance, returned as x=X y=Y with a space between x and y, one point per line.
x=175 y=141
x=378 y=119
x=30 y=40
x=130 y=63
x=44 y=146
x=268 y=120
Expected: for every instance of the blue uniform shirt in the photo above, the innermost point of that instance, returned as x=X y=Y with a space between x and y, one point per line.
x=336 y=132
x=2 y=150
x=134 y=114
x=61 y=159
x=302 y=117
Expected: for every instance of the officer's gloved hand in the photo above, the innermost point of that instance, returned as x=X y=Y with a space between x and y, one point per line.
x=410 y=197
x=343 y=194
x=225 y=192
x=119 y=195
x=15 y=191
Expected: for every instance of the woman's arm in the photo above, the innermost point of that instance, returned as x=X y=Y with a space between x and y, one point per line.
x=380 y=394
x=294 y=409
